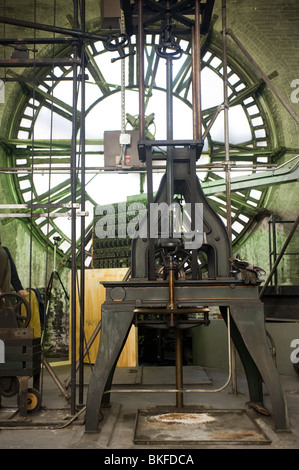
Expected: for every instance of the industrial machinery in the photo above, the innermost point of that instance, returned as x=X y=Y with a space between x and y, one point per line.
x=180 y=264
x=21 y=359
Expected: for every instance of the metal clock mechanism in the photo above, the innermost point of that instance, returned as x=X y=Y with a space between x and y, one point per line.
x=181 y=256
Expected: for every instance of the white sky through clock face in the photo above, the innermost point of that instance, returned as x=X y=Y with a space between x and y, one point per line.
x=52 y=113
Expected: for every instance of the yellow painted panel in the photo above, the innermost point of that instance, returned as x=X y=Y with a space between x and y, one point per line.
x=35 y=317
x=94 y=297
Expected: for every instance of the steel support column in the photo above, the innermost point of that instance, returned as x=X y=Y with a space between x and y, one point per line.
x=73 y=222
x=82 y=270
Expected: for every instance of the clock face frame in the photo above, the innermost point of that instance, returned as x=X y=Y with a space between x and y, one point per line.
x=41 y=126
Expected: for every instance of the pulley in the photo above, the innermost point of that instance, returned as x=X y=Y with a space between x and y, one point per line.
x=14 y=311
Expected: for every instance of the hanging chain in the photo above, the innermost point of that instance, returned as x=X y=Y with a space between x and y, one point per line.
x=123 y=96
x=123 y=80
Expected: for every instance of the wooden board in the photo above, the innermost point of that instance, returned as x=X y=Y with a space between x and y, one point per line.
x=94 y=297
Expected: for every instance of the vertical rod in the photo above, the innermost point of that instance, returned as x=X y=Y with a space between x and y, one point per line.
x=171 y=303
x=169 y=124
x=73 y=223
x=197 y=69
x=123 y=95
x=54 y=262
x=226 y=123
x=197 y=134
x=274 y=251
x=234 y=368
x=194 y=110
x=227 y=169
x=194 y=101
x=82 y=273
x=178 y=341
x=179 y=367
x=141 y=71
x=169 y=99
x=270 y=242
x=151 y=253
x=149 y=169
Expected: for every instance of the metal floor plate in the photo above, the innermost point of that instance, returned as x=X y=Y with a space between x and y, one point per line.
x=194 y=427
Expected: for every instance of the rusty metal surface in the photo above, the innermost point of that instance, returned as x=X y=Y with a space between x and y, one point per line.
x=195 y=427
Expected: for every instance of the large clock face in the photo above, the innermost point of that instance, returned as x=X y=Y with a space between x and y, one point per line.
x=40 y=138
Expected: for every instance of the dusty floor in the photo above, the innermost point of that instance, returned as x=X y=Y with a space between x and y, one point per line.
x=126 y=426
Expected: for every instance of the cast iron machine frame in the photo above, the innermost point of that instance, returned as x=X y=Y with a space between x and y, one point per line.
x=176 y=296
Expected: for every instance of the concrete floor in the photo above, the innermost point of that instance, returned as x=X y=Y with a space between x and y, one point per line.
x=52 y=427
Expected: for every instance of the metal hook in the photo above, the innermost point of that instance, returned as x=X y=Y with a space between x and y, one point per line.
x=117 y=42
x=168 y=47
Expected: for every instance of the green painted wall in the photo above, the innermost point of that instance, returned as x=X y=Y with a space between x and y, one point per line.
x=269 y=32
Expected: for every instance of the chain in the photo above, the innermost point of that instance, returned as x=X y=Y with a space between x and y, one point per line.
x=123 y=78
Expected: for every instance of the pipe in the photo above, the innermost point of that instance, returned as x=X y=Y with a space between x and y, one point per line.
x=171 y=304
x=274 y=252
x=54 y=29
x=194 y=107
x=38 y=62
x=55 y=378
x=227 y=167
x=226 y=122
x=213 y=119
x=17 y=41
x=169 y=160
x=93 y=170
x=179 y=367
